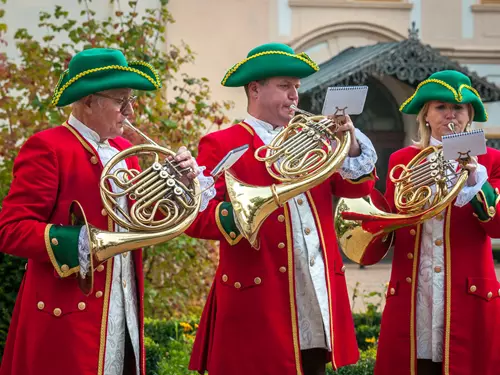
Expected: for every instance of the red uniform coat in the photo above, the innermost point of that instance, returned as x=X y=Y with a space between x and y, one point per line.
x=249 y=324
x=472 y=315
x=53 y=168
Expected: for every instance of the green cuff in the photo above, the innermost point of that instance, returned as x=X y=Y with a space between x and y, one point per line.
x=62 y=246
x=364 y=178
x=485 y=202
x=224 y=216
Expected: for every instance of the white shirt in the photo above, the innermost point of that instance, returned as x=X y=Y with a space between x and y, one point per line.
x=431 y=275
x=310 y=281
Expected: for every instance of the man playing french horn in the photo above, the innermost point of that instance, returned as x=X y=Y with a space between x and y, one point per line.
x=279 y=302
x=55 y=328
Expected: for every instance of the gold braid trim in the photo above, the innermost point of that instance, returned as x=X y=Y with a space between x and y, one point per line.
x=457 y=94
x=302 y=57
x=60 y=91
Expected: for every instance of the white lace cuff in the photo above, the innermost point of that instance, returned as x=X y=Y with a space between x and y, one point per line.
x=207 y=188
x=363 y=164
x=83 y=252
x=469 y=192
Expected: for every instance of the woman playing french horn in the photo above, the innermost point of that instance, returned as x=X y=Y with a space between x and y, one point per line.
x=443 y=298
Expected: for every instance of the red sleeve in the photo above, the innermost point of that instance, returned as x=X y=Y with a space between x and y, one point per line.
x=492 y=226
x=389 y=185
x=30 y=202
x=205 y=225
x=353 y=188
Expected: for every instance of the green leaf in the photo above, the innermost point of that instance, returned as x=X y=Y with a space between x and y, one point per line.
x=169 y=123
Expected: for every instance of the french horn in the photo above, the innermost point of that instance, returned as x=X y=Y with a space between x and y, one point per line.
x=423 y=189
x=301 y=156
x=163 y=203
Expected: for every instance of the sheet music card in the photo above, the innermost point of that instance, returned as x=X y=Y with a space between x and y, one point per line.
x=228 y=160
x=460 y=145
x=350 y=98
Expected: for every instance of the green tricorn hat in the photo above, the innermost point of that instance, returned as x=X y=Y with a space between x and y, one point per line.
x=100 y=69
x=446 y=86
x=269 y=60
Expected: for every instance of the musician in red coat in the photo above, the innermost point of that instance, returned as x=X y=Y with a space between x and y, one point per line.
x=282 y=308
x=443 y=302
x=55 y=328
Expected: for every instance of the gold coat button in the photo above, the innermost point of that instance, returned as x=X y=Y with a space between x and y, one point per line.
x=408 y=280
x=498 y=292
x=283 y=270
x=65 y=268
x=40 y=305
x=496 y=191
x=232 y=235
x=98 y=294
x=281 y=245
x=26 y=266
x=281 y=218
x=224 y=212
x=57 y=311
x=104 y=212
x=224 y=278
x=413 y=232
x=439 y=217
x=392 y=291
x=81 y=306
x=438 y=242
x=437 y=269
x=125 y=254
x=300 y=201
x=473 y=288
x=100 y=268
x=410 y=256
x=257 y=280
x=124 y=283
x=54 y=241
x=237 y=285
x=489 y=295
x=492 y=211
x=94 y=160
x=312 y=261
x=307 y=231
x=343 y=269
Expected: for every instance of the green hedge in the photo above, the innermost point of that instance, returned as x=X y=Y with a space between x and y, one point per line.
x=12 y=271
x=169 y=343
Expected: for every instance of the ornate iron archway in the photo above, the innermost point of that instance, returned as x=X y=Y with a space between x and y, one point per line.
x=409 y=61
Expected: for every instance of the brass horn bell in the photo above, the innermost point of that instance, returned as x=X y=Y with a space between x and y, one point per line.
x=303 y=155
x=423 y=189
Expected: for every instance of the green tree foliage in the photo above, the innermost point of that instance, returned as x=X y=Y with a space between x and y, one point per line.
x=178 y=272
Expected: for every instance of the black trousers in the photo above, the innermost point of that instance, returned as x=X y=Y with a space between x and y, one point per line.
x=314 y=361
x=129 y=365
x=427 y=367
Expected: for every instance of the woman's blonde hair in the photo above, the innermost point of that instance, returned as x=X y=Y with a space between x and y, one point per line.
x=424 y=131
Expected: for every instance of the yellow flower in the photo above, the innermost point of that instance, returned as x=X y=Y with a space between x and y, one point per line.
x=189 y=337
x=370 y=340
x=186 y=326
x=196 y=326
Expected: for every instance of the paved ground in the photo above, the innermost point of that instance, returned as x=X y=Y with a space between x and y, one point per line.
x=370 y=284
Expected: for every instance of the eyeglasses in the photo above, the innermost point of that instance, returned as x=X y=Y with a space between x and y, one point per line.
x=123 y=102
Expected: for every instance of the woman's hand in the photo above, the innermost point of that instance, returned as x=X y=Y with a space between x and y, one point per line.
x=471 y=166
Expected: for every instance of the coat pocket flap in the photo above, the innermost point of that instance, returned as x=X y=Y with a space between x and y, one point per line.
x=486 y=289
